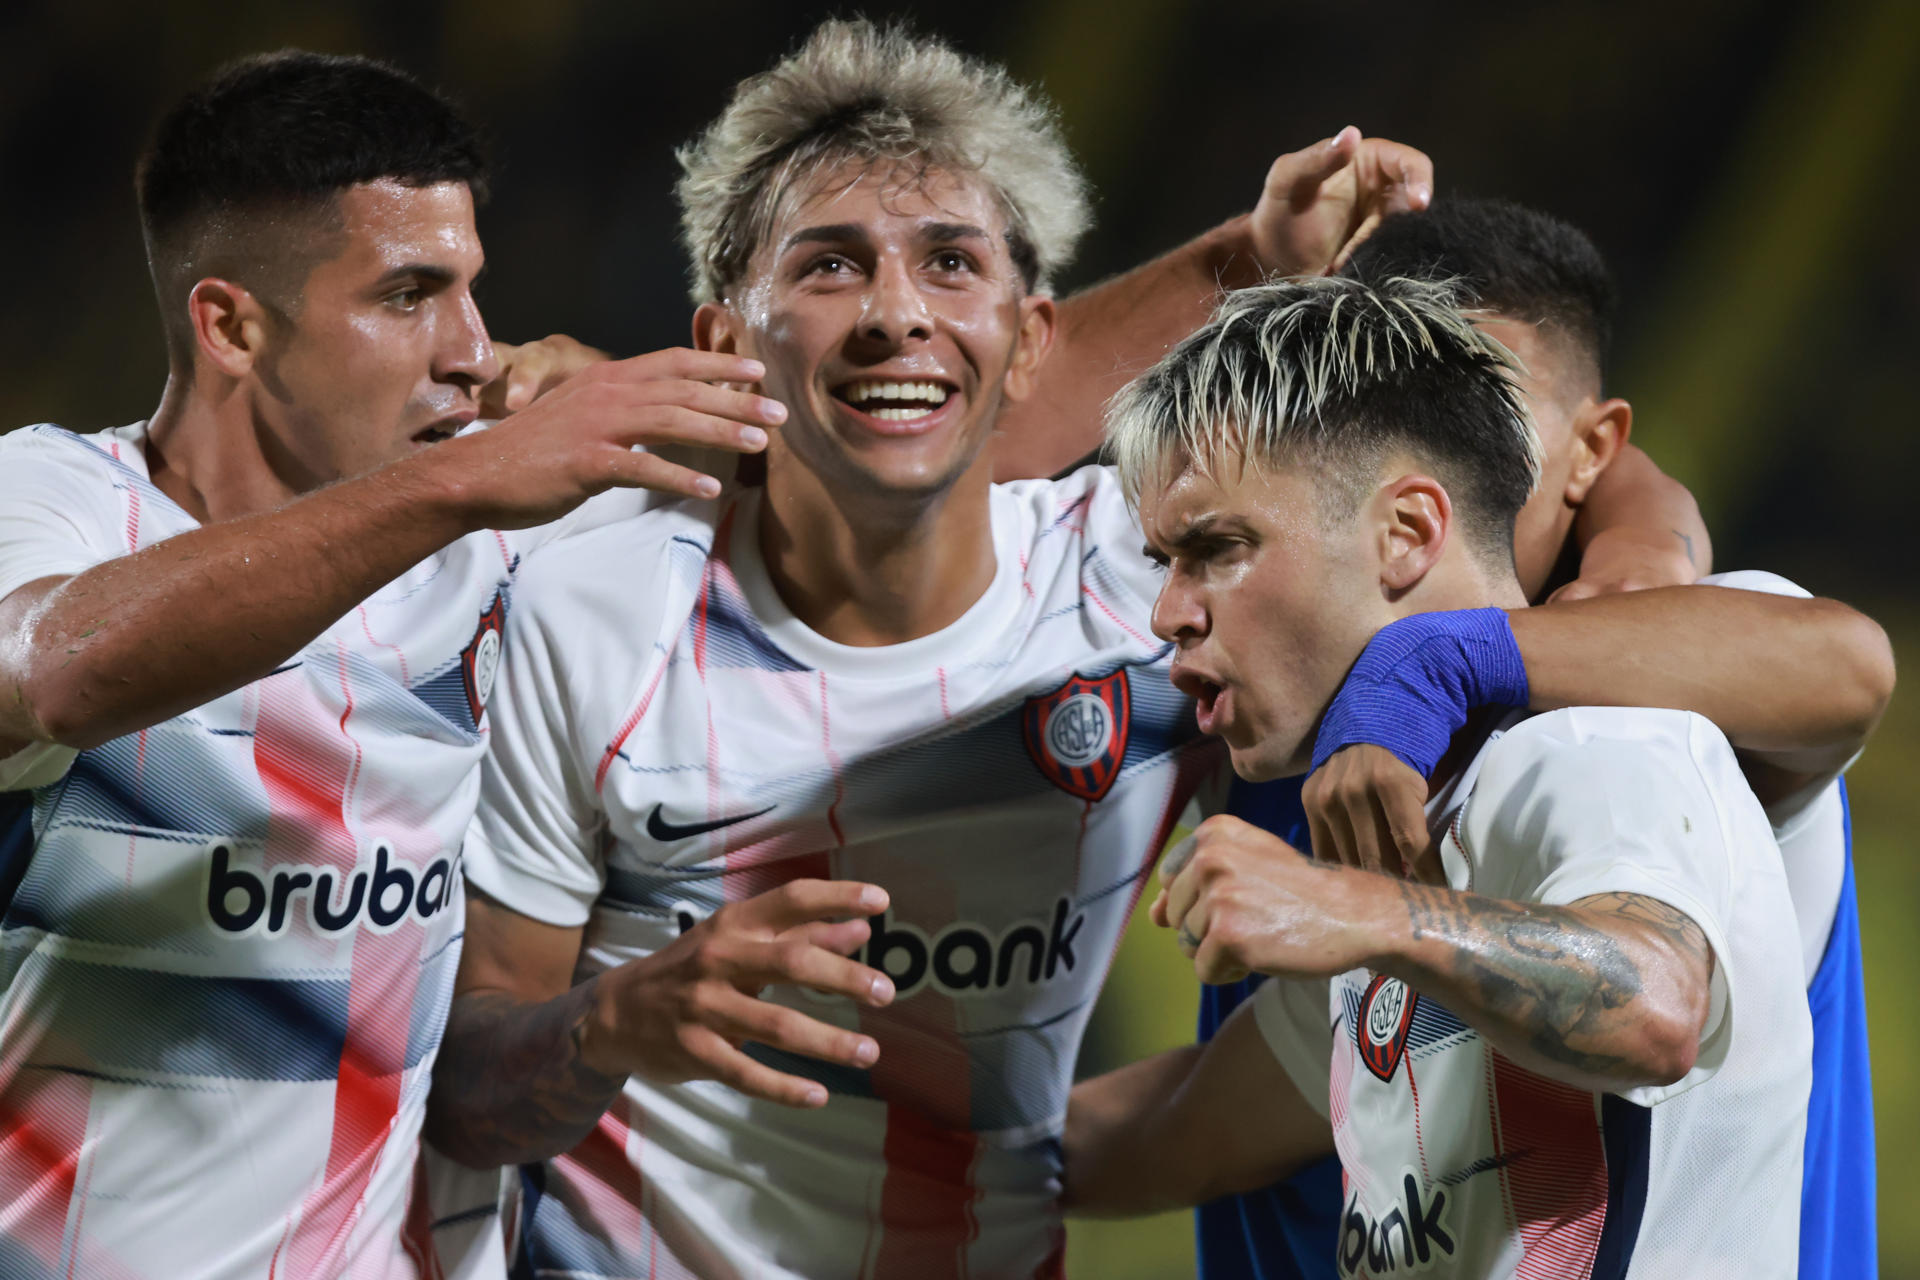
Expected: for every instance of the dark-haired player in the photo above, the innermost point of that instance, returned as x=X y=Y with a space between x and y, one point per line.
x=1581 y=1052
x=245 y=649
x=1550 y=296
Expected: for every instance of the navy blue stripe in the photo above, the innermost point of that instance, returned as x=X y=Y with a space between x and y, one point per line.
x=16 y=843
x=1627 y=1129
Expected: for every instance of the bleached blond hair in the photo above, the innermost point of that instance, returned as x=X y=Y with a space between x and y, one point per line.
x=1338 y=374
x=876 y=96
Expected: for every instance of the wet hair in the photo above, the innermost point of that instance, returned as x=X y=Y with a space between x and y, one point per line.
x=1506 y=258
x=882 y=98
x=1338 y=374
x=242 y=177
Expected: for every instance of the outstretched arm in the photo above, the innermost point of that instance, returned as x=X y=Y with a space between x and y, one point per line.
x=529 y=1061
x=1608 y=993
x=1186 y=1126
x=1317 y=205
x=134 y=640
x=1797 y=685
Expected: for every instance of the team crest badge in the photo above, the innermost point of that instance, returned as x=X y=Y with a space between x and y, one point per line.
x=1077 y=735
x=1386 y=1012
x=480 y=660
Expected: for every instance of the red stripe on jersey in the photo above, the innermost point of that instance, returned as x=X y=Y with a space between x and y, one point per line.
x=1119 y=621
x=43 y=1126
x=399 y=654
x=308 y=774
x=506 y=552
x=1558 y=1178
x=133 y=514
x=926 y=1203
x=631 y=723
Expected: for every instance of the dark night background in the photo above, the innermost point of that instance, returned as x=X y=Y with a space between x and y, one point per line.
x=1748 y=167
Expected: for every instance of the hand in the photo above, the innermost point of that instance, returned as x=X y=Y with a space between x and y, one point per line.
x=683 y=1012
x=578 y=439
x=1321 y=202
x=1630 y=559
x=531 y=369
x=1367 y=809
x=1244 y=901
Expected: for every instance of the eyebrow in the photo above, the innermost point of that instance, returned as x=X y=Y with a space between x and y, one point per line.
x=844 y=232
x=426 y=272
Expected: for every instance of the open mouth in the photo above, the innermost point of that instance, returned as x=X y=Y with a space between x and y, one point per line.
x=894 y=401
x=444 y=429
x=1209 y=698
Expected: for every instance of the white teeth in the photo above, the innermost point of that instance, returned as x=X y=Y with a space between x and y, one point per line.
x=930 y=394
x=899 y=415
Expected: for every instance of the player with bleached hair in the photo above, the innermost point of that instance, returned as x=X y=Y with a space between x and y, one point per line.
x=876 y=681
x=1586 y=1050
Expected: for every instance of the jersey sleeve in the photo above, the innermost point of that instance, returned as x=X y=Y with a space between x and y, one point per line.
x=58 y=517
x=1590 y=801
x=1296 y=1020
x=534 y=845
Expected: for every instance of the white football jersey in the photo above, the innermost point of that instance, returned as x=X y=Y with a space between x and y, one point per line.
x=668 y=738
x=1458 y=1161
x=229 y=940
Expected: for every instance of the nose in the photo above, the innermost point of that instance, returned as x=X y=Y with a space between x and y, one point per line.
x=1178 y=613
x=465 y=356
x=894 y=311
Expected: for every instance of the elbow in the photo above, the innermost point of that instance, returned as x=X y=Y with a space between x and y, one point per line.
x=49 y=708
x=1874 y=671
x=1666 y=1038
x=1861 y=661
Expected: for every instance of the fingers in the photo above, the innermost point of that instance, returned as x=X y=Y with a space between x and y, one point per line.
x=723 y=1062
x=692 y=365
x=793 y=961
x=1404 y=175
x=1175 y=860
x=1158 y=911
x=743 y=1017
x=842 y=937
x=624 y=468
x=802 y=901
x=1403 y=810
x=1298 y=175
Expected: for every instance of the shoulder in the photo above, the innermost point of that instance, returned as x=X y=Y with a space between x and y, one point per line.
x=622 y=570
x=1081 y=523
x=97 y=456
x=1585 y=779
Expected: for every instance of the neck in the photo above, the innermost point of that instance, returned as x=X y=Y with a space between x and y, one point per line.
x=875 y=574
x=204 y=451
x=1460 y=581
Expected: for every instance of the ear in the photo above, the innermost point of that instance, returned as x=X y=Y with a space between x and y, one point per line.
x=1035 y=339
x=229 y=325
x=713 y=329
x=1600 y=429
x=1414 y=518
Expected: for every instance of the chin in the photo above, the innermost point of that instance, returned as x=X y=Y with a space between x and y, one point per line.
x=1264 y=761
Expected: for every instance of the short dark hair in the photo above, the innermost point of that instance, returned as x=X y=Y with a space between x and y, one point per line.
x=1339 y=374
x=1520 y=262
x=268 y=144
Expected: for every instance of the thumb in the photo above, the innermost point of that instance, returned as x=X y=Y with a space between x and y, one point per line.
x=1298 y=175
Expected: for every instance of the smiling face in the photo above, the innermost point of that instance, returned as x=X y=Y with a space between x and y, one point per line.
x=1270 y=595
x=385 y=349
x=892 y=322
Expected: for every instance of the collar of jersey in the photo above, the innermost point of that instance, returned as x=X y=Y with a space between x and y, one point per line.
x=971 y=636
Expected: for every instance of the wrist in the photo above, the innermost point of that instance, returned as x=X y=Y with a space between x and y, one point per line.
x=437 y=488
x=1379 y=924
x=594 y=1027
x=1233 y=257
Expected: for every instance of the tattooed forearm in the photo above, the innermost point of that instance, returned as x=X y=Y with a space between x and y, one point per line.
x=509 y=1085
x=1600 y=992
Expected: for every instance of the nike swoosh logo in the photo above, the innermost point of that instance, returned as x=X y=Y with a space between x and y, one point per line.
x=667 y=832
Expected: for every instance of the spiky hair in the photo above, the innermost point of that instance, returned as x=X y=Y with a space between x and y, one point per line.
x=878 y=96
x=1338 y=374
